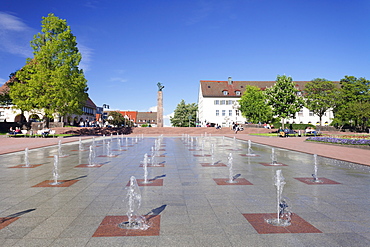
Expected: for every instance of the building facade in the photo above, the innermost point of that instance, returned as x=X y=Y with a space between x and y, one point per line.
x=218 y=103
x=9 y=113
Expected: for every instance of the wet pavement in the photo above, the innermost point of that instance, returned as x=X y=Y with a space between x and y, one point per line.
x=190 y=202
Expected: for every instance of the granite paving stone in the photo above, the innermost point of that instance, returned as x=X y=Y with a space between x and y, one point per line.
x=194 y=210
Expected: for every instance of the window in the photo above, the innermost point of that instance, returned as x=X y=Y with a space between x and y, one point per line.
x=300 y=113
x=223 y=113
x=217 y=102
x=1 y=114
x=230 y=113
x=237 y=113
x=217 y=113
x=311 y=113
x=237 y=93
x=222 y=102
x=225 y=92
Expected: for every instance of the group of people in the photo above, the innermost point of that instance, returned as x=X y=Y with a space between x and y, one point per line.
x=268 y=126
x=16 y=131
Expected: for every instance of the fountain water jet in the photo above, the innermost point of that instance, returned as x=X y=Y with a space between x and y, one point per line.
x=26 y=159
x=133 y=199
x=92 y=156
x=230 y=165
x=145 y=166
x=250 y=151
x=55 y=171
x=314 y=175
x=273 y=158
x=60 y=153
x=109 y=150
x=80 y=146
x=283 y=214
x=213 y=154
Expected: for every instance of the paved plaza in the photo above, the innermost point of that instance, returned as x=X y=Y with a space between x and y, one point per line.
x=190 y=201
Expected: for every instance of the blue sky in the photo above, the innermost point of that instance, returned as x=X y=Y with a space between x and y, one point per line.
x=130 y=46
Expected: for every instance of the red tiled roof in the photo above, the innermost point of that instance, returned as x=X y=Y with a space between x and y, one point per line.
x=132 y=115
x=216 y=88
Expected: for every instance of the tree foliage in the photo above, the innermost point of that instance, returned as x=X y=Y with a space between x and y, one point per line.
x=115 y=118
x=283 y=98
x=320 y=95
x=4 y=95
x=253 y=105
x=184 y=115
x=353 y=104
x=51 y=81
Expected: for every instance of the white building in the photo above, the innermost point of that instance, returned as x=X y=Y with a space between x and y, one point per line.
x=9 y=113
x=218 y=103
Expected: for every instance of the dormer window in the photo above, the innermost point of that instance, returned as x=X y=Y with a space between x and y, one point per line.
x=237 y=93
x=225 y=92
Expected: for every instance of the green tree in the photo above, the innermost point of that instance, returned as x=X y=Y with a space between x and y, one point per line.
x=284 y=98
x=253 y=105
x=51 y=82
x=320 y=95
x=184 y=115
x=4 y=94
x=353 y=102
x=116 y=119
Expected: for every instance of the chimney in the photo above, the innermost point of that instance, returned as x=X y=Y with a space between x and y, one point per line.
x=230 y=80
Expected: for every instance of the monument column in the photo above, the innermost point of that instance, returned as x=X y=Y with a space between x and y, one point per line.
x=160 y=105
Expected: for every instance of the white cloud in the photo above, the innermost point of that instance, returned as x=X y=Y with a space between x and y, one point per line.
x=86 y=53
x=118 y=79
x=202 y=10
x=153 y=109
x=169 y=115
x=15 y=35
x=166 y=120
x=2 y=81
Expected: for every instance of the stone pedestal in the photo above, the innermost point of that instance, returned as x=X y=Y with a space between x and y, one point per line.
x=160 y=109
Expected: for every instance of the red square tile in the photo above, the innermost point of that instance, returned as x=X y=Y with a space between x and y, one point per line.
x=249 y=155
x=225 y=181
x=204 y=155
x=269 y=164
x=64 y=183
x=150 y=165
x=88 y=166
x=24 y=166
x=310 y=181
x=214 y=165
x=63 y=156
x=109 y=227
x=155 y=182
x=5 y=221
x=298 y=225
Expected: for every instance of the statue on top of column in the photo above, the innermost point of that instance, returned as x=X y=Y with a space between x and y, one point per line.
x=160 y=87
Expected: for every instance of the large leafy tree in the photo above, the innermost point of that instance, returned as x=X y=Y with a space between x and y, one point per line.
x=253 y=105
x=4 y=91
x=320 y=95
x=184 y=115
x=51 y=81
x=284 y=98
x=115 y=118
x=353 y=105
